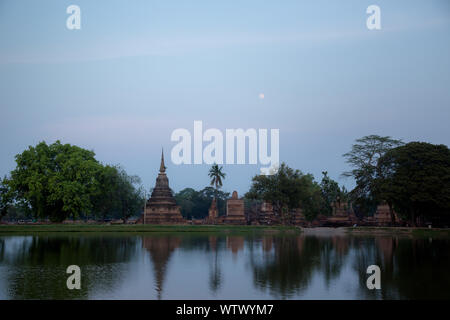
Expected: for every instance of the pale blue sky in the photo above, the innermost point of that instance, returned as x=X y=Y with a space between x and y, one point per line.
x=139 y=69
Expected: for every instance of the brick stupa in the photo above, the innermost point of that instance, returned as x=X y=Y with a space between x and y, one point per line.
x=162 y=208
x=213 y=213
x=235 y=210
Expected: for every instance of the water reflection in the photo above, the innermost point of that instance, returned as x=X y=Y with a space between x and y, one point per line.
x=174 y=266
x=289 y=269
x=412 y=268
x=160 y=249
x=215 y=274
x=36 y=265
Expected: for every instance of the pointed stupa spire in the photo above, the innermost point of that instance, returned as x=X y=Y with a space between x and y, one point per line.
x=162 y=168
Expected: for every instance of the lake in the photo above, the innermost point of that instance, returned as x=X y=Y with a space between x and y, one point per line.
x=221 y=266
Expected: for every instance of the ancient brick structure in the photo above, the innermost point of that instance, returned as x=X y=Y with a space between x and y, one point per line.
x=382 y=216
x=298 y=218
x=235 y=210
x=213 y=213
x=267 y=215
x=264 y=214
x=162 y=208
x=339 y=209
x=341 y=215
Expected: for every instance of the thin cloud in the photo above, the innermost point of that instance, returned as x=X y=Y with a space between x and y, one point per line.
x=174 y=46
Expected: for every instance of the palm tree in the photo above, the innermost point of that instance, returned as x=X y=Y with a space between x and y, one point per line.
x=216 y=175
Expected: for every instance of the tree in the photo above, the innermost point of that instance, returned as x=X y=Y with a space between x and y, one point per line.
x=286 y=190
x=220 y=196
x=119 y=195
x=5 y=197
x=186 y=199
x=415 y=178
x=56 y=180
x=64 y=181
x=311 y=200
x=196 y=203
x=331 y=193
x=363 y=158
x=216 y=175
x=105 y=199
x=129 y=196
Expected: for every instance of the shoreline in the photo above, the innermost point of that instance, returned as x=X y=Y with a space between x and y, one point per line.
x=75 y=228
x=376 y=231
x=411 y=231
x=317 y=231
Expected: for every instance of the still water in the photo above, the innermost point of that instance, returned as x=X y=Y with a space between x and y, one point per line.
x=187 y=266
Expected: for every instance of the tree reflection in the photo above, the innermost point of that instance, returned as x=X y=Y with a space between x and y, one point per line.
x=38 y=264
x=411 y=268
x=293 y=260
x=215 y=274
x=333 y=256
x=283 y=266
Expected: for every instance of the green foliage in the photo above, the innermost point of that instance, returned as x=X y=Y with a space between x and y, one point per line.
x=195 y=204
x=330 y=193
x=415 y=178
x=105 y=198
x=55 y=180
x=363 y=158
x=129 y=195
x=311 y=200
x=59 y=181
x=216 y=175
x=5 y=197
x=286 y=190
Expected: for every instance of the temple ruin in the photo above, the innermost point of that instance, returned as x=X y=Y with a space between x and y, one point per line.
x=235 y=210
x=162 y=208
x=213 y=213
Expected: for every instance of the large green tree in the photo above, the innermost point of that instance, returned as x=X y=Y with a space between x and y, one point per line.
x=60 y=181
x=286 y=190
x=363 y=159
x=56 y=180
x=415 y=178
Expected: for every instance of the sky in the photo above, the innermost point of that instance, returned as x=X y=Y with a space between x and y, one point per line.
x=137 y=70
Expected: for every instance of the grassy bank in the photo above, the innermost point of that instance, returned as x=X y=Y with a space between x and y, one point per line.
x=143 y=228
x=86 y=228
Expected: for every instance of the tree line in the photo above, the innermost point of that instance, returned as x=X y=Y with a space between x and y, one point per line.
x=59 y=181
x=290 y=189
x=412 y=178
